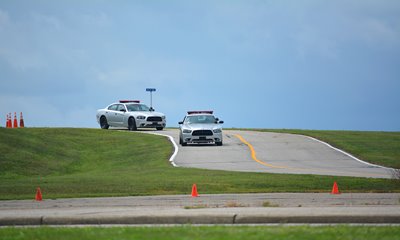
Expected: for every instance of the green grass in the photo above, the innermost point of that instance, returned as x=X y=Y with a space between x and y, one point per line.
x=206 y=232
x=95 y=162
x=382 y=148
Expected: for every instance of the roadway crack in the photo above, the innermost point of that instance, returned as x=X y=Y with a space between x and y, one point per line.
x=234 y=218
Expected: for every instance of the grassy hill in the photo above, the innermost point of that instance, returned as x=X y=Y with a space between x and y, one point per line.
x=95 y=162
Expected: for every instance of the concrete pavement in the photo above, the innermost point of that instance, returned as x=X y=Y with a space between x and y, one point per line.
x=207 y=209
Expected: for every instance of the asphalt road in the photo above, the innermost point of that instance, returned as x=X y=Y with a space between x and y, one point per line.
x=251 y=151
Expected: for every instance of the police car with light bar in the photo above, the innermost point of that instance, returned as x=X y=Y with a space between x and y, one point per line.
x=130 y=114
x=200 y=127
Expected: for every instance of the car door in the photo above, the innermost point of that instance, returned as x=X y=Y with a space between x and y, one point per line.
x=120 y=115
x=111 y=114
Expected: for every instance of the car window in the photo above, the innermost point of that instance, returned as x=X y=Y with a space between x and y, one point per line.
x=121 y=107
x=144 y=108
x=113 y=107
x=200 y=119
x=137 y=107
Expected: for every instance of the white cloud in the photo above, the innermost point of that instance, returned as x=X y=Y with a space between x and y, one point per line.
x=378 y=31
x=4 y=19
x=21 y=60
x=99 y=19
x=146 y=70
x=17 y=44
x=46 y=21
x=310 y=40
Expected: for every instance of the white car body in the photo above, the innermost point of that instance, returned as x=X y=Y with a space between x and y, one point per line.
x=200 y=127
x=130 y=114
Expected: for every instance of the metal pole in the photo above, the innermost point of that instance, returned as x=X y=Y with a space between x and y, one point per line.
x=151 y=99
x=151 y=90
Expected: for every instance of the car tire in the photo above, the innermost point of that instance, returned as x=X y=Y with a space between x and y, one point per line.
x=132 y=124
x=104 y=123
x=159 y=128
x=181 y=142
x=219 y=143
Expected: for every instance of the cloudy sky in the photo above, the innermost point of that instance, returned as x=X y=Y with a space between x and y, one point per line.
x=260 y=64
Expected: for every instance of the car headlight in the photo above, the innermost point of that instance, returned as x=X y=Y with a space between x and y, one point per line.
x=141 y=117
x=163 y=117
x=218 y=130
x=186 y=131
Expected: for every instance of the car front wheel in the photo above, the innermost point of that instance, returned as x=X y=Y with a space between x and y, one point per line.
x=132 y=124
x=181 y=142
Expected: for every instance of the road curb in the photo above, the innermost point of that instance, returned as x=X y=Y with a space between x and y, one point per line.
x=343 y=215
x=14 y=221
x=140 y=219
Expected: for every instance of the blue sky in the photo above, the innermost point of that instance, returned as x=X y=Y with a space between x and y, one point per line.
x=257 y=64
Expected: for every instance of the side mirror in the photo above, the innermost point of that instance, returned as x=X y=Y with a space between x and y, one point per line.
x=122 y=110
x=151 y=109
x=221 y=122
x=180 y=123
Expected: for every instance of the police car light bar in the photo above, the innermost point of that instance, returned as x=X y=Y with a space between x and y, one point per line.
x=199 y=112
x=129 y=101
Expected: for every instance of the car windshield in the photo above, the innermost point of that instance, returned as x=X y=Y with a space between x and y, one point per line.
x=200 y=119
x=137 y=107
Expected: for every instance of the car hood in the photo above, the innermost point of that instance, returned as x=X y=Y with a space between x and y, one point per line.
x=148 y=114
x=199 y=126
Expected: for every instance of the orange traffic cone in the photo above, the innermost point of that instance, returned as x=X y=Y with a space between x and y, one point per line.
x=38 y=196
x=21 y=121
x=9 y=120
x=194 y=191
x=15 y=120
x=335 y=189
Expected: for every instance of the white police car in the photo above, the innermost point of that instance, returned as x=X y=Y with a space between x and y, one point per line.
x=200 y=127
x=130 y=114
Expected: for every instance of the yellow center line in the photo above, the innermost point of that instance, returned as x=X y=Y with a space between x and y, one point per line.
x=254 y=157
x=253 y=153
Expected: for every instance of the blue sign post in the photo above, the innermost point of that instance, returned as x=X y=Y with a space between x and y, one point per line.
x=151 y=90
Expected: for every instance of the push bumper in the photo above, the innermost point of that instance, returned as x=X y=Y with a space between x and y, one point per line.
x=188 y=138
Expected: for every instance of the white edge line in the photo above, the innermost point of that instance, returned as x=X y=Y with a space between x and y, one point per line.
x=171 y=159
x=348 y=154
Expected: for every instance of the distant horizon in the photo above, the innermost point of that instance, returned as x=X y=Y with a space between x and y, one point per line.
x=225 y=128
x=321 y=65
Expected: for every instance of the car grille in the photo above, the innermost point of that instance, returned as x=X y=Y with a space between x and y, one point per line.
x=154 y=119
x=202 y=133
